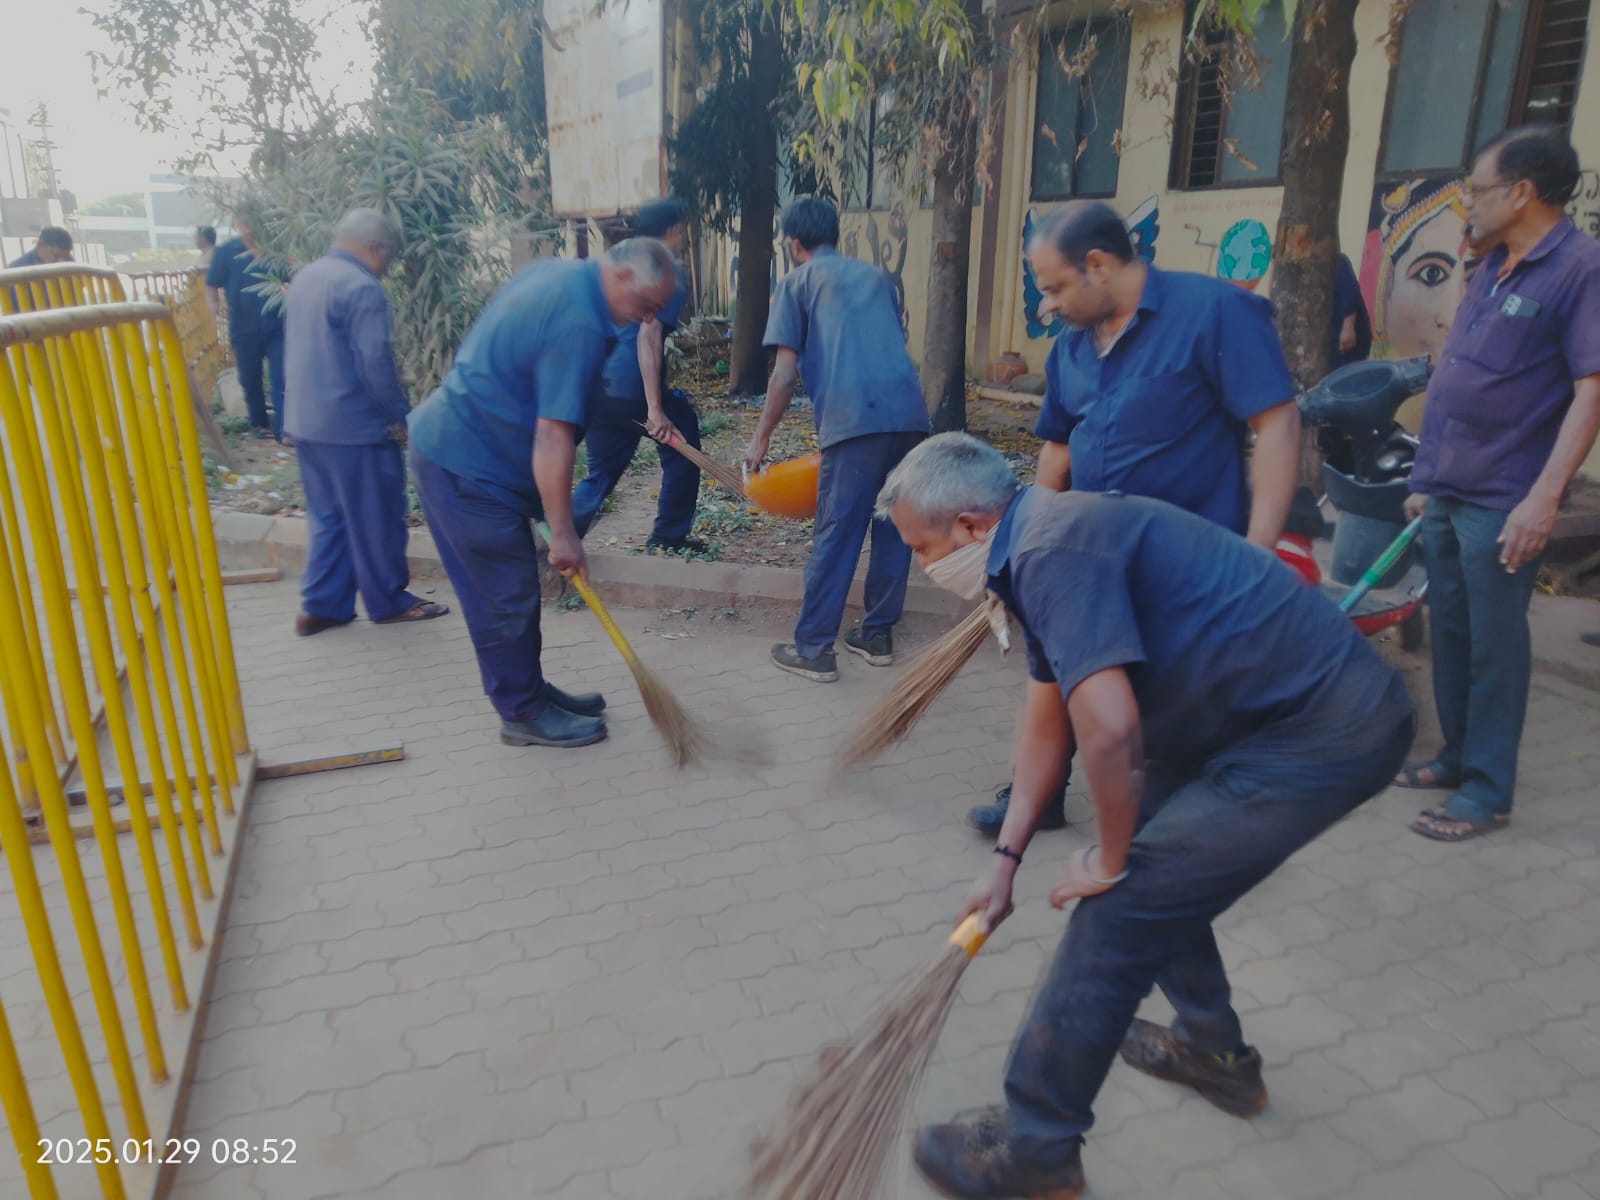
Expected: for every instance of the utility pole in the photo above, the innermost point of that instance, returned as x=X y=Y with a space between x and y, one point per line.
x=41 y=119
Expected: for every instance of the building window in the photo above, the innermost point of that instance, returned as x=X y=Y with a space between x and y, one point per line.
x=1230 y=106
x=1083 y=79
x=1470 y=68
x=869 y=176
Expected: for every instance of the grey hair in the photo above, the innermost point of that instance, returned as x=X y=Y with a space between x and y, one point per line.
x=647 y=260
x=947 y=475
x=368 y=228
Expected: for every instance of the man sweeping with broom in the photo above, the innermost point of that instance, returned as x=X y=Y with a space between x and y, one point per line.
x=1214 y=748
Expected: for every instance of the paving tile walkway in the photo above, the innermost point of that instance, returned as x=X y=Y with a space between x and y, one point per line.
x=492 y=973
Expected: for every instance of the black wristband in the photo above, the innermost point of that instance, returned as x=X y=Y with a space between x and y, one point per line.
x=1008 y=852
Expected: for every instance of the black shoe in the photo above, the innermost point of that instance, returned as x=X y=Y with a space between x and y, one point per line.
x=1590 y=639
x=309 y=624
x=583 y=704
x=973 y=1159
x=555 y=726
x=690 y=545
x=262 y=435
x=878 y=649
x=987 y=818
x=824 y=668
x=1232 y=1084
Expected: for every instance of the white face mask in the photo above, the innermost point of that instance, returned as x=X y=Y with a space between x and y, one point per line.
x=964 y=571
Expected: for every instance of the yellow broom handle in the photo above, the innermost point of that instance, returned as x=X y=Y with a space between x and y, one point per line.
x=970 y=935
x=595 y=606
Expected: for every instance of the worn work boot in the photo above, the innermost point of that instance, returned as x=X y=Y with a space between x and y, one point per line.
x=555 y=726
x=987 y=818
x=824 y=668
x=972 y=1159
x=1232 y=1082
x=878 y=649
x=583 y=704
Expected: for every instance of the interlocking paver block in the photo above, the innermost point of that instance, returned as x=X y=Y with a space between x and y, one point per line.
x=1535 y=1144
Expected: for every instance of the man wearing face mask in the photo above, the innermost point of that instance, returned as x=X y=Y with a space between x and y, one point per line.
x=1173 y=653
x=1154 y=390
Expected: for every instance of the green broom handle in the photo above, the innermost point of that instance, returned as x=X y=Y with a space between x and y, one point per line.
x=593 y=601
x=1380 y=568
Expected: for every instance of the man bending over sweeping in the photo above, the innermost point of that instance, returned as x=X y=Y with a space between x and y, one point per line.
x=1173 y=650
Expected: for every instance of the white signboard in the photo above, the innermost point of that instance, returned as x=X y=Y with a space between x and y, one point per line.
x=605 y=94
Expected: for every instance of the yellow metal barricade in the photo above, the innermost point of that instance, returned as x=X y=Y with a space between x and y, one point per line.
x=119 y=683
x=57 y=285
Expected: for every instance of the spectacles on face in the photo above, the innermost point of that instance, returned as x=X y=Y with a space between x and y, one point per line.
x=1471 y=191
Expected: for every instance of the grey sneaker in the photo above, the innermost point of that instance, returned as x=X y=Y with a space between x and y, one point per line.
x=824 y=668
x=1233 y=1083
x=878 y=649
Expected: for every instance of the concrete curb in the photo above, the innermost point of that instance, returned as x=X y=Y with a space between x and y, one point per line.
x=764 y=596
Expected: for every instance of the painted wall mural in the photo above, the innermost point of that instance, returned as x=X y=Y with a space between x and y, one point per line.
x=1414 y=265
x=1244 y=254
x=1144 y=227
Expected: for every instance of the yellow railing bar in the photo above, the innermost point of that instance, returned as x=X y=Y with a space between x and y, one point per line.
x=173 y=507
x=69 y=666
x=182 y=410
x=19 y=1115
x=10 y=515
x=25 y=881
x=122 y=564
x=153 y=502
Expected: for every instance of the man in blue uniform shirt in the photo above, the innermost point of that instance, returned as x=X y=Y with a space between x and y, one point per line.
x=1154 y=389
x=254 y=330
x=1215 y=747
x=493 y=448
x=54 y=245
x=835 y=324
x=347 y=415
x=633 y=392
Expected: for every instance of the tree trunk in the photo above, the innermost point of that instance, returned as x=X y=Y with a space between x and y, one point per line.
x=944 y=340
x=1316 y=140
x=748 y=370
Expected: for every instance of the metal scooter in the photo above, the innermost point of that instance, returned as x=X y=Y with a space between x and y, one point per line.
x=1366 y=477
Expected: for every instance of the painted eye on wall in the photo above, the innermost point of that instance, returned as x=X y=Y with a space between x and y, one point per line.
x=1431 y=270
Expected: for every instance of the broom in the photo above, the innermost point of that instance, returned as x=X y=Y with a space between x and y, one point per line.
x=914 y=692
x=834 y=1140
x=726 y=476
x=686 y=740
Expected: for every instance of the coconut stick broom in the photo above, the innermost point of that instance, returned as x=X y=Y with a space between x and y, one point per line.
x=728 y=477
x=914 y=692
x=687 y=741
x=835 y=1139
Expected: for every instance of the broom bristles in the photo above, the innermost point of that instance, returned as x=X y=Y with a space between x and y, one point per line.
x=914 y=692
x=689 y=742
x=728 y=477
x=834 y=1140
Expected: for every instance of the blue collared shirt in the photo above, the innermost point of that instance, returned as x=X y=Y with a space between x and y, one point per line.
x=1164 y=413
x=838 y=314
x=1212 y=631
x=30 y=259
x=535 y=352
x=340 y=383
x=233 y=269
x=1505 y=380
x=622 y=379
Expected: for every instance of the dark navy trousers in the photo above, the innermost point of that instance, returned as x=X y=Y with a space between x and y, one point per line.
x=250 y=354
x=852 y=475
x=489 y=553
x=612 y=439
x=356 y=509
x=1208 y=833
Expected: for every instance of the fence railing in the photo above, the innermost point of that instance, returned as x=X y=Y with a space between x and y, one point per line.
x=119 y=684
x=58 y=285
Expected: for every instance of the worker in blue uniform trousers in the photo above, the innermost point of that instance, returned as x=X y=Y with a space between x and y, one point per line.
x=347 y=413
x=1214 y=746
x=834 y=323
x=493 y=449
x=634 y=400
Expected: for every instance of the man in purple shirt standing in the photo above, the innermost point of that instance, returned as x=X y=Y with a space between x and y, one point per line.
x=1511 y=413
x=347 y=415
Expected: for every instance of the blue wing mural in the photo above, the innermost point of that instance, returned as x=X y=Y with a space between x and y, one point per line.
x=1144 y=227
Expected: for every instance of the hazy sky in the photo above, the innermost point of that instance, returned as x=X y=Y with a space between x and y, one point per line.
x=100 y=150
